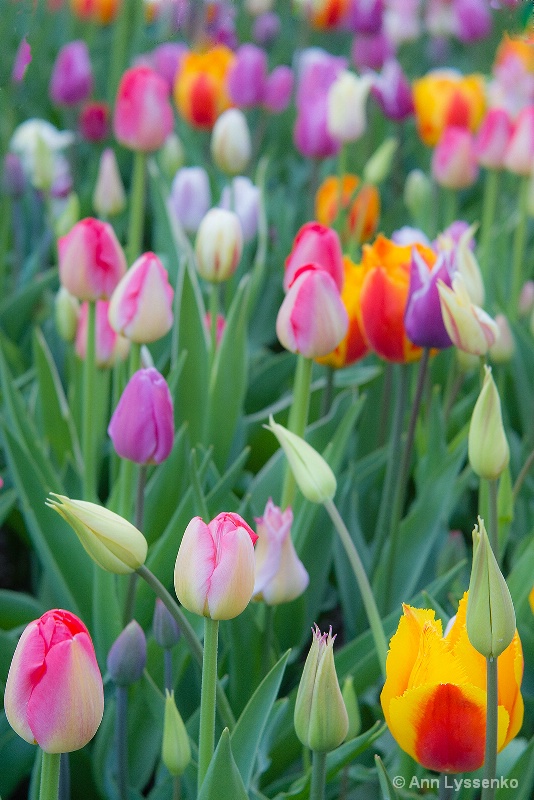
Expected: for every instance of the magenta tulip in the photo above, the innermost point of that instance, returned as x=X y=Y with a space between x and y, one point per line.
x=247 y=76
x=91 y=260
x=72 y=76
x=422 y=319
x=143 y=114
x=278 y=89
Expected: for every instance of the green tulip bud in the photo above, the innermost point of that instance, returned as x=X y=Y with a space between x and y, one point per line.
x=379 y=165
x=489 y=453
x=175 y=748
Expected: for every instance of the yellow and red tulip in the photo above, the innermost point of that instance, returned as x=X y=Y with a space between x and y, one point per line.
x=443 y=98
x=201 y=86
x=101 y=11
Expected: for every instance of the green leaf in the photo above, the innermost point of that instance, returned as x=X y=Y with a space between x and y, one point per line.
x=18 y=608
x=16 y=758
x=523 y=773
x=166 y=483
x=388 y=790
x=251 y=724
x=223 y=779
x=17 y=310
x=520 y=582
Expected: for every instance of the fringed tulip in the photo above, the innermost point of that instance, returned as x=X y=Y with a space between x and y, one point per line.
x=492 y=138
x=243 y=197
x=488 y=448
x=519 y=155
x=143 y=115
x=443 y=98
x=142 y=425
x=422 y=319
x=201 y=86
x=127 y=657
x=214 y=570
x=346 y=115
x=141 y=304
x=190 y=197
x=434 y=698
x=231 y=146
x=72 y=76
x=218 y=245
x=317 y=244
x=280 y=575
x=312 y=319
x=454 y=164
x=247 y=76
x=111 y=541
x=469 y=327
x=361 y=203
x=109 y=346
x=91 y=260
x=109 y=197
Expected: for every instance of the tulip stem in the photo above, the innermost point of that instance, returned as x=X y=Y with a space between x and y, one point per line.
x=520 y=239
x=490 y=757
x=206 y=738
x=450 y=206
x=214 y=311
x=88 y=432
x=522 y=475
x=369 y=602
x=121 y=734
x=298 y=418
x=493 y=527
x=49 y=787
x=139 y=513
x=328 y=391
x=318 y=776
x=137 y=208
x=491 y=192
x=189 y=635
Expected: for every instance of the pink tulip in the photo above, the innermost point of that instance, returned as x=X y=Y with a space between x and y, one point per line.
x=93 y=121
x=109 y=346
x=91 y=260
x=54 y=695
x=317 y=70
x=143 y=114
x=72 y=76
x=365 y=16
x=472 y=19
x=266 y=28
x=280 y=574
x=317 y=244
x=493 y=137
x=278 y=89
x=141 y=304
x=23 y=58
x=454 y=164
x=371 y=51
x=312 y=319
x=142 y=425
x=247 y=76
x=519 y=155
x=214 y=570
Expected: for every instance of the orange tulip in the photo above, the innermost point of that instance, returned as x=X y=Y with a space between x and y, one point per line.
x=200 y=88
x=102 y=11
x=363 y=206
x=434 y=697
x=327 y=14
x=444 y=98
x=383 y=297
x=353 y=346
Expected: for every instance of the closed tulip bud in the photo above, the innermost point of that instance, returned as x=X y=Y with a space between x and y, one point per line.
x=417 y=193
x=278 y=89
x=346 y=117
x=72 y=76
x=503 y=349
x=454 y=164
x=54 y=695
x=490 y=617
x=91 y=260
x=526 y=299
x=247 y=76
x=214 y=570
x=321 y=720
x=489 y=453
x=314 y=477
x=109 y=197
x=190 y=197
x=110 y=348
x=142 y=425
x=230 y=142
x=353 y=710
x=112 y=542
x=175 y=747
x=468 y=326
x=66 y=313
x=172 y=155
x=127 y=658
x=43 y=175
x=143 y=115
x=164 y=627
x=218 y=245
x=141 y=304
x=379 y=165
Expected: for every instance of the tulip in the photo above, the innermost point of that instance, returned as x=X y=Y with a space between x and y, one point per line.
x=266 y=28
x=91 y=260
x=312 y=319
x=93 y=121
x=454 y=163
x=370 y=51
x=112 y=542
x=109 y=197
x=101 y=11
x=143 y=116
x=321 y=719
x=417 y=193
x=127 y=657
x=165 y=629
x=190 y=197
x=230 y=142
x=443 y=98
x=280 y=575
x=466 y=263
x=469 y=327
x=434 y=698
x=110 y=347
x=243 y=197
x=27 y=142
x=201 y=86
x=218 y=245
x=422 y=318
x=326 y=14
x=318 y=244
x=346 y=118
x=489 y=453
x=247 y=76
x=364 y=16
x=393 y=92
x=23 y=58
x=379 y=165
x=72 y=77
x=142 y=425
x=317 y=71
x=473 y=20
x=361 y=202
x=54 y=695
x=66 y=314
x=175 y=747
x=220 y=325
x=314 y=477
x=141 y=304
x=166 y=59
x=492 y=138
x=519 y=155
x=214 y=570
x=502 y=351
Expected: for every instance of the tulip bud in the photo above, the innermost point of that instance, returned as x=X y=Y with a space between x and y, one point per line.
x=93 y=121
x=490 y=618
x=502 y=350
x=314 y=477
x=109 y=197
x=353 y=710
x=489 y=453
x=172 y=155
x=43 y=175
x=112 y=542
x=190 y=197
x=91 y=260
x=278 y=89
x=66 y=312
x=175 y=748
x=315 y=244
x=230 y=142
x=127 y=658
x=417 y=193
x=346 y=120
x=218 y=245
x=468 y=326
x=379 y=165
x=143 y=115
x=164 y=626
x=454 y=165
x=321 y=720
x=247 y=76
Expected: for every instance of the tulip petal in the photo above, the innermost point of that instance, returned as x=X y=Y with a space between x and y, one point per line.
x=25 y=669
x=232 y=581
x=194 y=566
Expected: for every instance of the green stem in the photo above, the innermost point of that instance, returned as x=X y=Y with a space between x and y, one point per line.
x=522 y=475
x=298 y=417
x=49 y=776
x=493 y=523
x=189 y=635
x=139 y=513
x=339 y=220
x=267 y=638
x=328 y=391
x=206 y=739
x=490 y=756
x=137 y=208
x=369 y=602
x=450 y=206
x=124 y=35
x=318 y=776
x=121 y=734
x=214 y=311
x=520 y=240
x=88 y=431
x=491 y=193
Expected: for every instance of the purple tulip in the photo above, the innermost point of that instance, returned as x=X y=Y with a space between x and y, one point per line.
x=191 y=197
x=371 y=50
x=473 y=19
x=423 y=320
x=365 y=16
x=166 y=60
x=317 y=70
x=392 y=91
x=266 y=28
x=72 y=77
x=244 y=199
x=278 y=89
x=247 y=77
x=127 y=657
x=23 y=58
x=142 y=425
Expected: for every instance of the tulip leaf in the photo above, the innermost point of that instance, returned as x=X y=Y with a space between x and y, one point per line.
x=523 y=774
x=166 y=483
x=16 y=757
x=223 y=778
x=520 y=582
x=18 y=608
x=17 y=309
x=251 y=724
x=386 y=785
